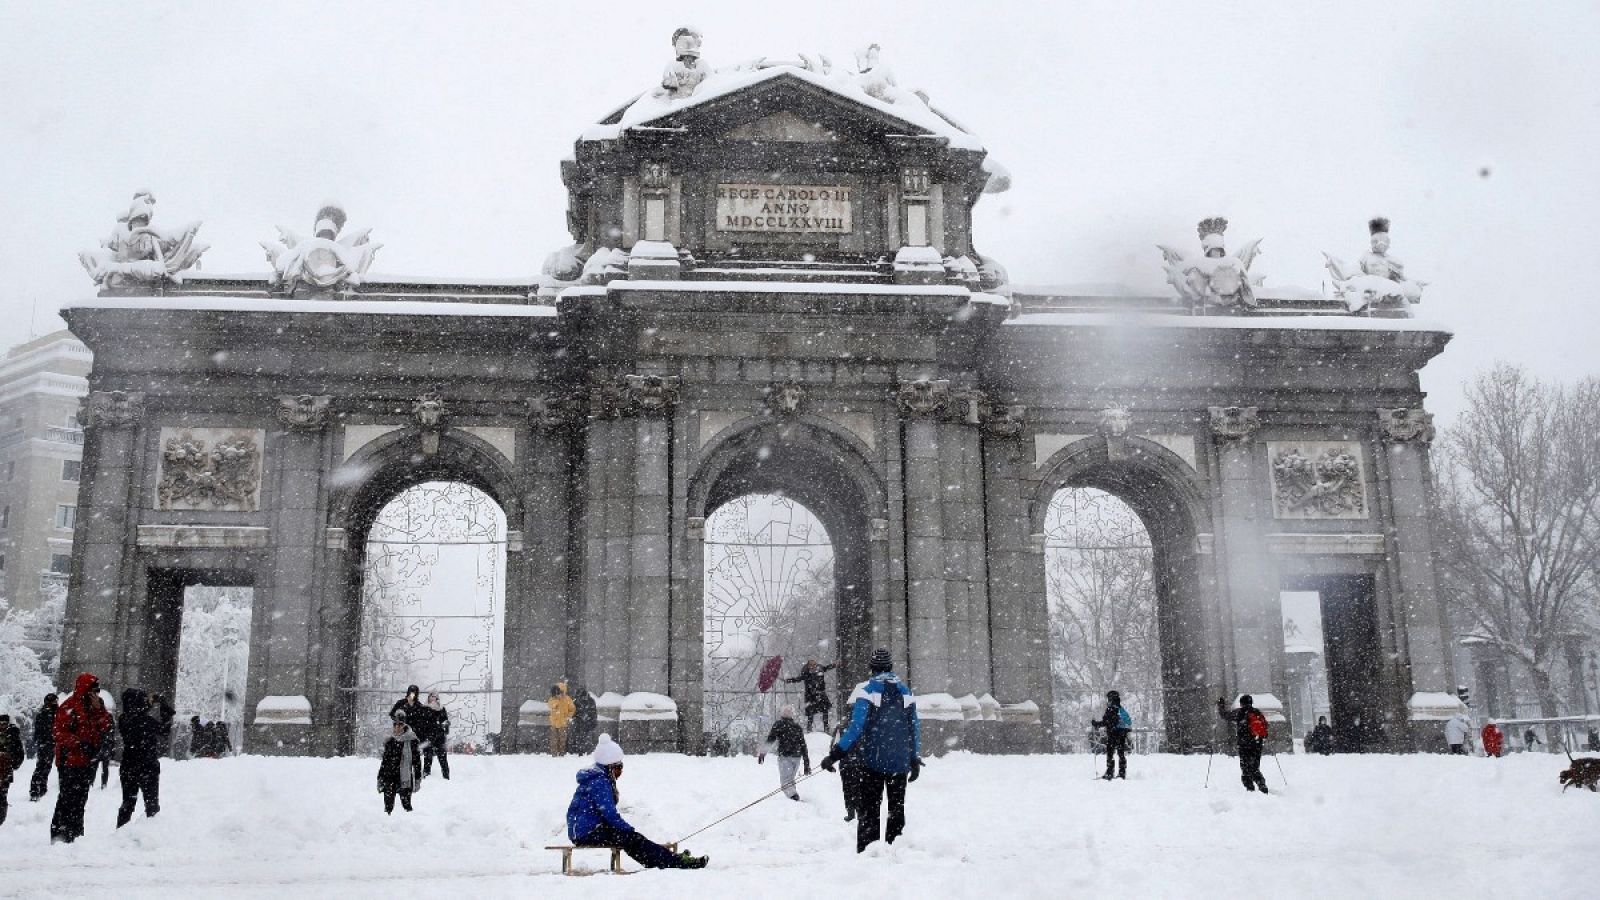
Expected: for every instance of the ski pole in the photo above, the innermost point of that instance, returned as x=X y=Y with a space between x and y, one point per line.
x=777 y=790
x=1280 y=768
x=1209 y=757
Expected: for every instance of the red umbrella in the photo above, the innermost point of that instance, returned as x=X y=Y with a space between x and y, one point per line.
x=769 y=673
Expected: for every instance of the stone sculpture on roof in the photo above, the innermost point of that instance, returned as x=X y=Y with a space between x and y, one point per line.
x=327 y=259
x=1214 y=279
x=685 y=72
x=1378 y=279
x=137 y=252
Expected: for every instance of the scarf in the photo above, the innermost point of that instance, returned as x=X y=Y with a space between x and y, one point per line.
x=408 y=744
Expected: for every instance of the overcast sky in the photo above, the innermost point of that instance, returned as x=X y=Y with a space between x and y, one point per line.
x=1473 y=125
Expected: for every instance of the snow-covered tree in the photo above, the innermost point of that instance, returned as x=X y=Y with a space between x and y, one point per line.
x=23 y=683
x=1519 y=491
x=214 y=653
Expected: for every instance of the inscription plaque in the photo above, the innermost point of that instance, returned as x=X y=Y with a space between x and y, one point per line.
x=785 y=208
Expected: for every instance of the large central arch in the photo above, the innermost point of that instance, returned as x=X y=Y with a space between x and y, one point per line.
x=825 y=469
x=369 y=479
x=1169 y=499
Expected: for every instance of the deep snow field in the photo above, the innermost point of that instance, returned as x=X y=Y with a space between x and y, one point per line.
x=1001 y=827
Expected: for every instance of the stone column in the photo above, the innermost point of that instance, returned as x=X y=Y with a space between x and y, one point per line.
x=1249 y=578
x=98 y=617
x=1406 y=435
x=291 y=583
x=928 y=612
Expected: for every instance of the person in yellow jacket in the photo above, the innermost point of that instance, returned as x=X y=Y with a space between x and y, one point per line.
x=561 y=712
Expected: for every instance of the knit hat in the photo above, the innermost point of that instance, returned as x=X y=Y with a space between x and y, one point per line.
x=881 y=661
x=1246 y=701
x=607 y=752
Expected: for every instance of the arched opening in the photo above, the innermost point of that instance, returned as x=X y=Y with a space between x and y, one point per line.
x=794 y=478
x=1104 y=628
x=432 y=610
x=1136 y=500
x=769 y=595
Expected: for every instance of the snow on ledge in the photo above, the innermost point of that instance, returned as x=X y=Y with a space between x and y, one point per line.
x=1434 y=706
x=647 y=707
x=1235 y=323
x=323 y=307
x=939 y=707
x=533 y=712
x=777 y=287
x=292 y=709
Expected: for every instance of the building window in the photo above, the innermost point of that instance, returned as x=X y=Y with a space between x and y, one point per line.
x=2 y=562
x=71 y=469
x=61 y=563
x=5 y=517
x=66 y=516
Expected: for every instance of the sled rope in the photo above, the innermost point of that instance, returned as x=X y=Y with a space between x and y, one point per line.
x=777 y=790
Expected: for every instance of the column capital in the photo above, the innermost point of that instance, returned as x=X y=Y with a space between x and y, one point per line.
x=1234 y=423
x=1404 y=426
x=303 y=412
x=111 y=409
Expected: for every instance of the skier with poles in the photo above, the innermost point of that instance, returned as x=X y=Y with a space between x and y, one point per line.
x=1250 y=731
x=1118 y=724
x=593 y=820
x=790 y=743
x=885 y=733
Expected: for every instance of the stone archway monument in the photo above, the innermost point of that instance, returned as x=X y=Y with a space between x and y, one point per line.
x=773 y=286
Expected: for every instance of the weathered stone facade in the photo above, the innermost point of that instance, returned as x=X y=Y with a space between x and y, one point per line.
x=611 y=406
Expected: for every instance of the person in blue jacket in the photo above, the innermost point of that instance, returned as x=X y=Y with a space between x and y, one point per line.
x=885 y=739
x=593 y=820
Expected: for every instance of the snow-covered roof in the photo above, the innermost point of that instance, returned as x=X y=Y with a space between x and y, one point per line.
x=276 y=305
x=652 y=106
x=1254 y=323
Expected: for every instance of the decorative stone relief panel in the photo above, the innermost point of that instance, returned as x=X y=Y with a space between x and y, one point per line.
x=1317 y=480
x=210 y=468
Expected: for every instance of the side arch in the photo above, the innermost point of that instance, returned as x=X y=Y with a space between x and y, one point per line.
x=1171 y=500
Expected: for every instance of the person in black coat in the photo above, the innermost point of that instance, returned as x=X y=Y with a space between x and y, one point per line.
x=11 y=757
x=585 y=719
x=145 y=724
x=1247 y=722
x=44 y=747
x=433 y=727
x=400 y=770
x=789 y=741
x=1321 y=740
x=411 y=705
x=816 y=691
x=1116 y=734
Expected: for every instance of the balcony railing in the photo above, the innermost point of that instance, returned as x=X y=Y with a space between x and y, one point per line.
x=63 y=435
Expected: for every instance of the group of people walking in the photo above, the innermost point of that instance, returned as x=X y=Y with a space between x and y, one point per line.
x=418 y=734
x=75 y=737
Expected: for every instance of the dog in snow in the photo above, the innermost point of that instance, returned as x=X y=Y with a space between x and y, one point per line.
x=1585 y=772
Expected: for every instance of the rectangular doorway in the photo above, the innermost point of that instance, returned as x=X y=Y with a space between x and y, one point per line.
x=1350 y=655
x=198 y=652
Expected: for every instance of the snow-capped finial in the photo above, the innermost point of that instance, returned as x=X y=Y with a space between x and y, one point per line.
x=1215 y=225
x=327 y=259
x=331 y=214
x=1215 y=279
x=1378 y=279
x=1379 y=225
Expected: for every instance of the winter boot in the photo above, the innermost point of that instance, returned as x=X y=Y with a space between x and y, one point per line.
x=686 y=860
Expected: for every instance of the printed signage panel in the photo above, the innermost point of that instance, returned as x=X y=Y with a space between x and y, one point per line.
x=785 y=208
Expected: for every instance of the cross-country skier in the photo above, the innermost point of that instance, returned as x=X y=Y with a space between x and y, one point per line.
x=44 y=747
x=593 y=820
x=1117 y=724
x=400 y=770
x=883 y=722
x=789 y=741
x=146 y=727
x=816 y=691
x=80 y=728
x=1250 y=730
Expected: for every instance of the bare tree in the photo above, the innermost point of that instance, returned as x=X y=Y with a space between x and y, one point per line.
x=1520 y=496
x=1100 y=584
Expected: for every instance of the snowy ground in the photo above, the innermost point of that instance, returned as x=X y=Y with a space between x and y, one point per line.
x=1408 y=826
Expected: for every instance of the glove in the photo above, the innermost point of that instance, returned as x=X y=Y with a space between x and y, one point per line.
x=808 y=770
x=829 y=760
x=916 y=769
x=761 y=759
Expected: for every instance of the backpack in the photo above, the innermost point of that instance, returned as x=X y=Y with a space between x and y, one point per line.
x=1257 y=723
x=1124 y=721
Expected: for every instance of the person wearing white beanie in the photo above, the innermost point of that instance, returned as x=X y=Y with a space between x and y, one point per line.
x=593 y=819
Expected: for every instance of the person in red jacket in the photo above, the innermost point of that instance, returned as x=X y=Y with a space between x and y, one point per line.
x=81 y=726
x=1494 y=740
